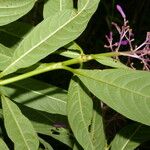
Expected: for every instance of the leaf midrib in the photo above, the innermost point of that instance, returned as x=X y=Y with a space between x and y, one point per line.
x=17 y=60
x=13 y=115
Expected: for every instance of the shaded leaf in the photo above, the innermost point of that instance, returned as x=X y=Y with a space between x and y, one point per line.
x=11 y=11
x=18 y=127
x=38 y=95
x=51 y=33
x=79 y=108
x=52 y=125
x=126 y=91
x=131 y=137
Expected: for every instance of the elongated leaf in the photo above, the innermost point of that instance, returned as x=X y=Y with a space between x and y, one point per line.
x=51 y=7
x=5 y=56
x=3 y=146
x=97 y=128
x=130 y=137
x=18 y=127
x=11 y=11
x=55 y=32
x=38 y=95
x=79 y=109
x=126 y=91
x=108 y=61
x=48 y=124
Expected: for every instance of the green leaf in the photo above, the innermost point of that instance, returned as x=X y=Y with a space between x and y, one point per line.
x=79 y=108
x=71 y=50
x=51 y=7
x=49 y=124
x=3 y=146
x=126 y=91
x=108 y=61
x=50 y=35
x=38 y=95
x=5 y=56
x=46 y=145
x=97 y=128
x=131 y=137
x=18 y=127
x=11 y=11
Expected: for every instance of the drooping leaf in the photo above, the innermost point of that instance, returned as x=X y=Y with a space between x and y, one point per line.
x=3 y=146
x=52 y=125
x=51 y=7
x=108 y=61
x=46 y=145
x=38 y=95
x=51 y=33
x=12 y=10
x=13 y=33
x=126 y=91
x=97 y=129
x=131 y=137
x=79 y=108
x=18 y=127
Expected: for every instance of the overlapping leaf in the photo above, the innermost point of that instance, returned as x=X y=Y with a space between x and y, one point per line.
x=130 y=137
x=38 y=95
x=79 y=108
x=12 y=10
x=18 y=127
x=51 y=7
x=49 y=124
x=55 y=32
x=126 y=91
x=3 y=146
x=97 y=129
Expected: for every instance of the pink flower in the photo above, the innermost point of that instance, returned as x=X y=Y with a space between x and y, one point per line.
x=121 y=11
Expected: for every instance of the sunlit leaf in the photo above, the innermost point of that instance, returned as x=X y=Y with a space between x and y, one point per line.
x=12 y=10
x=130 y=137
x=126 y=91
x=51 y=33
x=3 y=146
x=51 y=7
x=79 y=108
x=18 y=127
x=46 y=145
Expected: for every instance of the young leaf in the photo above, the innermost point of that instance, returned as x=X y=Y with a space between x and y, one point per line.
x=38 y=95
x=11 y=11
x=131 y=137
x=51 y=7
x=97 y=129
x=18 y=127
x=79 y=108
x=51 y=33
x=126 y=91
x=108 y=61
x=3 y=146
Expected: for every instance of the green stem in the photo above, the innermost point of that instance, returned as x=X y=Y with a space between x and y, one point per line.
x=59 y=65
